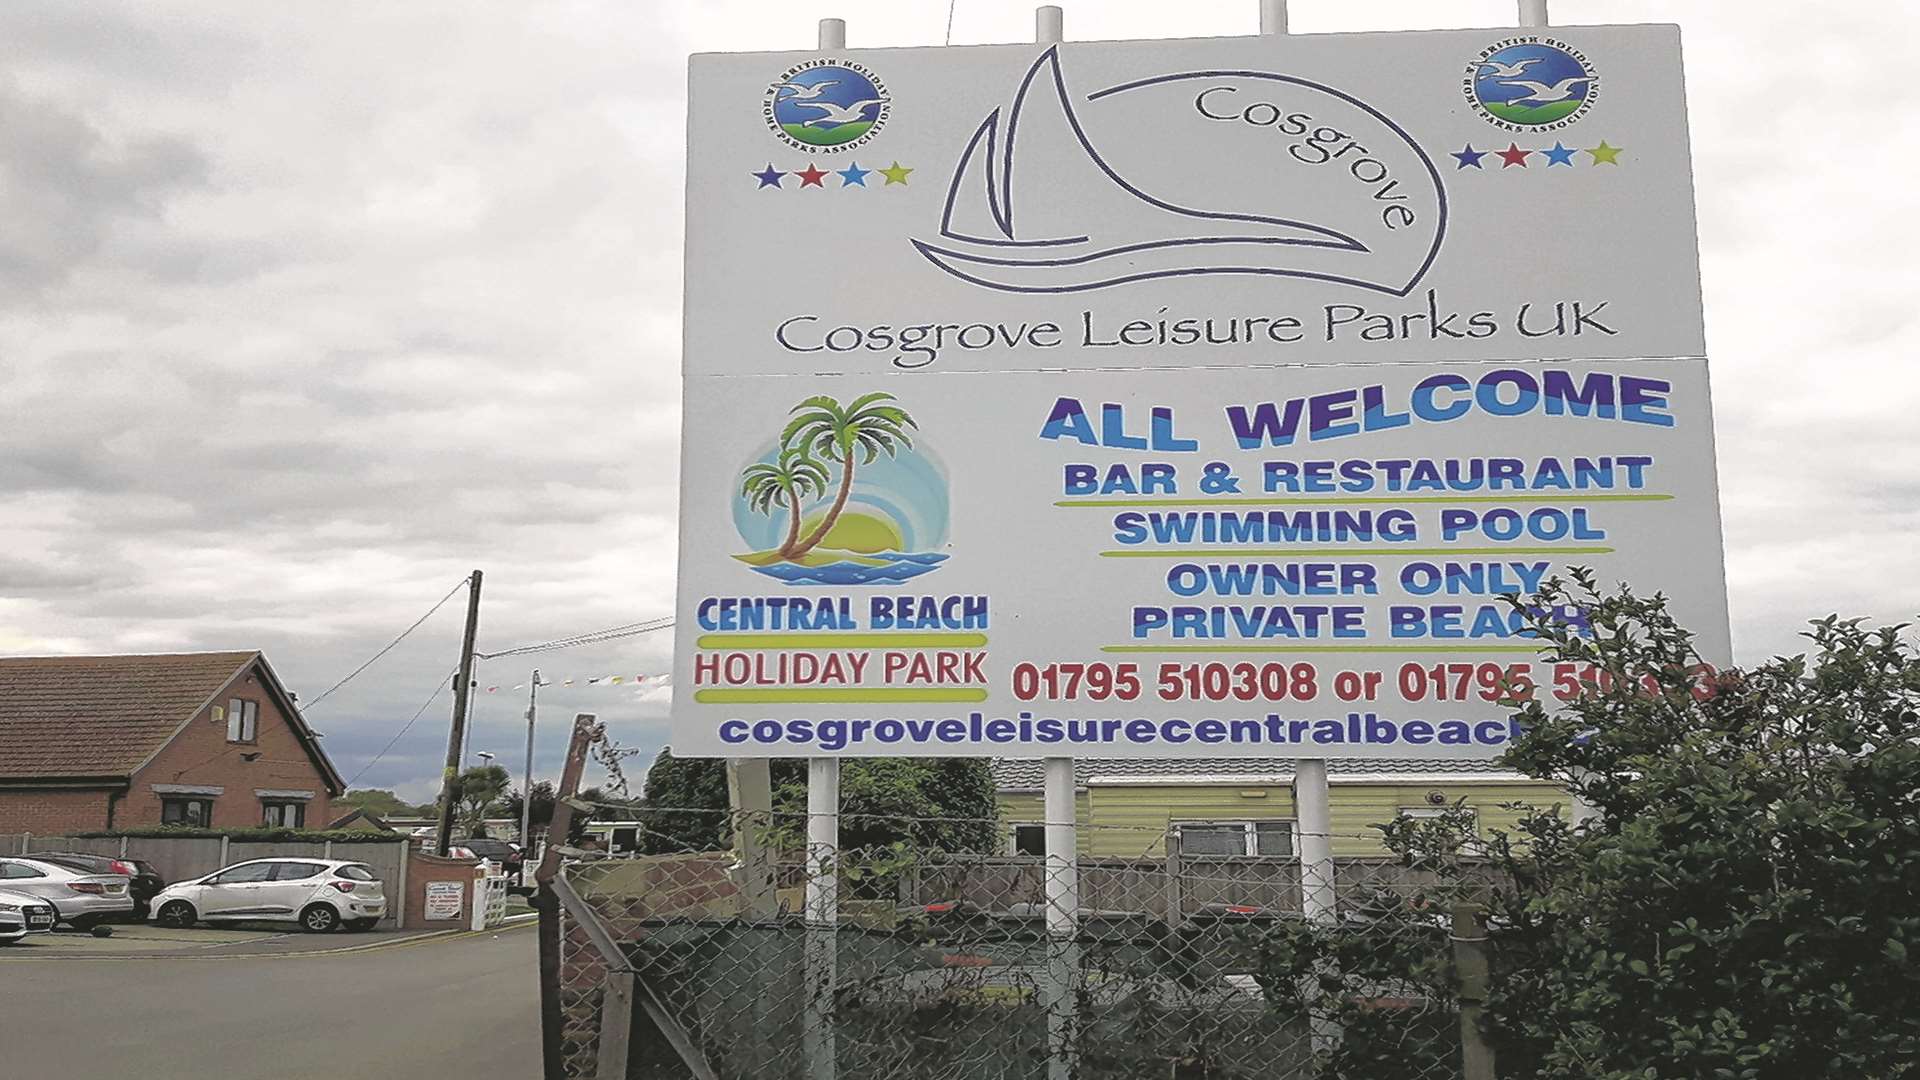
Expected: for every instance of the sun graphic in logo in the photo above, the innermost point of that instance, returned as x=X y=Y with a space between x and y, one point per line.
x=1533 y=84
x=826 y=106
x=847 y=495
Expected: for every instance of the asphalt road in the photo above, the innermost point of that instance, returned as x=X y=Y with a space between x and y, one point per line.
x=464 y=1006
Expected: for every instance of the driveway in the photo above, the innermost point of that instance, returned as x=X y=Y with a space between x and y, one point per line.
x=460 y=1005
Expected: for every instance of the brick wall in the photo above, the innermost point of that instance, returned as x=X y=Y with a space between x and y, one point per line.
x=48 y=812
x=201 y=756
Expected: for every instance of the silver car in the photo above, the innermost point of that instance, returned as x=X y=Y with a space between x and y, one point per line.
x=79 y=900
x=21 y=915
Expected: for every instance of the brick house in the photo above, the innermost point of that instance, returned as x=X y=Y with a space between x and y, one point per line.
x=118 y=742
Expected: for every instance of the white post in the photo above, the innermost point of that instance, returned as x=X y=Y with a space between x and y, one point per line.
x=1273 y=16
x=822 y=912
x=1062 y=821
x=833 y=34
x=1533 y=12
x=1316 y=839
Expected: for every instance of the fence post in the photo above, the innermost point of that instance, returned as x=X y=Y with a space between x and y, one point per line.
x=326 y=850
x=547 y=902
x=616 y=1024
x=123 y=847
x=26 y=842
x=1470 y=963
x=224 y=841
x=399 y=901
x=1171 y=891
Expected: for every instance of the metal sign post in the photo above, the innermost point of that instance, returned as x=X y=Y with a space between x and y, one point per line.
x=821 y=959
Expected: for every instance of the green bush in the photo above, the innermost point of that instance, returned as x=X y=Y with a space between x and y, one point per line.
x=1746 y=903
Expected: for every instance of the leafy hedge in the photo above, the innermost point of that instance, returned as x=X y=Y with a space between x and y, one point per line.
x=1746 y=905
x=255 y=835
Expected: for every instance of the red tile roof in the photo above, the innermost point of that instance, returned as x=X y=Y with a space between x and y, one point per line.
x=71 y=716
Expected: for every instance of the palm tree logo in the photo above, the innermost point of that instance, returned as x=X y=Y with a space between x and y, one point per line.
x=792 y=480
x=884 y=487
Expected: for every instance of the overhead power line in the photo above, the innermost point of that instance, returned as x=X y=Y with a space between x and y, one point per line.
x=575 y=641
x=389 y=647
x=438 y=689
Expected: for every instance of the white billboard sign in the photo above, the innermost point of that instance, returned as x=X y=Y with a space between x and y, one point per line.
x=1187 y=398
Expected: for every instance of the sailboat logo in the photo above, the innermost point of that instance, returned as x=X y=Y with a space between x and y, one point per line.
x=1220 y=172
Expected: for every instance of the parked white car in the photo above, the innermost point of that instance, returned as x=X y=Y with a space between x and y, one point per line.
x=319 y=894
x=21 y=914
x=79 y=899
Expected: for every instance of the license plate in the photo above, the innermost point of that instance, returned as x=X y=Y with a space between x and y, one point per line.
x=39 y=919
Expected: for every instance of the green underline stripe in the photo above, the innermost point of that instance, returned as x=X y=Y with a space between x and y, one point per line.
x=772 y=694
x=1228 y=647
x=1216 y=553
x=1363 y=500
x=842 y=641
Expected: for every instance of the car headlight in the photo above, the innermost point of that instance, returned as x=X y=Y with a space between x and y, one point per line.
x=11 y=909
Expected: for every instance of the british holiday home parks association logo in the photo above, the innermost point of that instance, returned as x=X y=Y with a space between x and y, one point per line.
x=825 y=106
x=1530 y=84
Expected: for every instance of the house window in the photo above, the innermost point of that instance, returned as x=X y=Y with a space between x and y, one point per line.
x=185 y=811
x=1029 y=838
x=243 y=720
x=283 y=814
x=1269 y=839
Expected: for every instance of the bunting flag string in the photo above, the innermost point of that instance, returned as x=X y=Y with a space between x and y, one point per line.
x=642 y=681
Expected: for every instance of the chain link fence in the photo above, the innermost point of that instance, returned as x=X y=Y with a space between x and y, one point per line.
x=968 y=965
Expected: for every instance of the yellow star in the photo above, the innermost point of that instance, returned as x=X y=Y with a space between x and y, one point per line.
x=1604 y=154
x=897 y=174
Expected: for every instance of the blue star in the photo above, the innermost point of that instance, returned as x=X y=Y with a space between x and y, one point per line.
x=770 y=178
x=1559 y=155
x=854 y=174
x=1469 y=156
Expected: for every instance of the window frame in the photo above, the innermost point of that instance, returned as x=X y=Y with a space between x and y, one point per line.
x=298 y=806
x=243 y=720
x=1013 y=838
x=1250 y=836
x=280 y=871
x=266 y=869
x=187 y=801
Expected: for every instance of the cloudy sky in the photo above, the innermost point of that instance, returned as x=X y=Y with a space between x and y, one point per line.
x=307 y=309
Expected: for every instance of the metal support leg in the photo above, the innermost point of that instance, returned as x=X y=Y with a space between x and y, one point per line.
x=1058 y=995
x=822 y=915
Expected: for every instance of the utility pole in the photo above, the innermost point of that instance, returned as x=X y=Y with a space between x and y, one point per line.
x=526 y=785
x=462 y=689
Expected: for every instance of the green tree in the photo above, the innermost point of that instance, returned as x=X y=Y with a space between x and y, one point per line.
x=541 y=812
x=788 y=483
x=479 y=788
x=376 y=801
x=1744 y=905
x=859 y=432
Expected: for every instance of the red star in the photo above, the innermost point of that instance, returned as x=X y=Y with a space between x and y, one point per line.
x=811 y=176
x=1512 y=155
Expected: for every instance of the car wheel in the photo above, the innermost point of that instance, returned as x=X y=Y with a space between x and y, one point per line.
x=176 y=913
x=319 y=919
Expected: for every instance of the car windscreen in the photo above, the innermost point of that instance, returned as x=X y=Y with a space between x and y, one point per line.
x=355 y=873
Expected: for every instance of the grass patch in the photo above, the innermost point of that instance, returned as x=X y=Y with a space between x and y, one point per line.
x=1533 y=115
x=827 y=136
